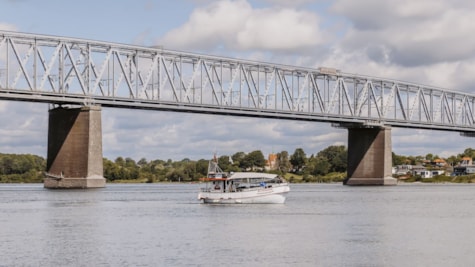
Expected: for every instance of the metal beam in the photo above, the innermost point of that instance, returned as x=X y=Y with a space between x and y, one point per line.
x=61 y=70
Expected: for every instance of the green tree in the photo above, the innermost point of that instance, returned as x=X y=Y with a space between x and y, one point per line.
x=418 y=160
x=120 y=161
x=337 y=156
x=110 y=170
x=429 y=156
x=398 y=159
x=24 y=168
x=238 y=158
x=258 y=158
x=189 y=171
x=453 y=160
x=254 y=159
x=202 y=167
x=298 y=159
x=130 y=163
x=283 y=162
x=223 y=162
x=175 y=175
x=469 y=152
x=142 y=162
x=318 y=165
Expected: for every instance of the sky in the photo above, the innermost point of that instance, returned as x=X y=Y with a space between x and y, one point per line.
x=426 y=41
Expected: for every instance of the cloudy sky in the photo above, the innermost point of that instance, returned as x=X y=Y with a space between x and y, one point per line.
x=425 y=41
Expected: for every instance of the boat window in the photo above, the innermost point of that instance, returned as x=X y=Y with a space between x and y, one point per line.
x=277 y=180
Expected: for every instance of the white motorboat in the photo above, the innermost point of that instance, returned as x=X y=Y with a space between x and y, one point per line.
x=242 y=187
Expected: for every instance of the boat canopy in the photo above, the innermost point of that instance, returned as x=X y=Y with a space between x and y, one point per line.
x=254 y=175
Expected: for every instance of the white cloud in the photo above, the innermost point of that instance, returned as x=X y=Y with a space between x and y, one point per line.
x=281 y=29
x=237 y=25
x=412 y=33
x=413 y=142
x=7 y=27
x=427 y=42
x=291 y=3
x=3 y=106
x=27 y=133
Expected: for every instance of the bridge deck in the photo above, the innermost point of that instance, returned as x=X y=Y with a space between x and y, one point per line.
x=74 y=71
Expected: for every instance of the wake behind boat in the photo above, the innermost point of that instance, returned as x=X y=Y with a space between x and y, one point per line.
x=242 y=187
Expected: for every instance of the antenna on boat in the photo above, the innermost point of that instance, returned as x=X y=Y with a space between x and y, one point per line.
x=213 y=165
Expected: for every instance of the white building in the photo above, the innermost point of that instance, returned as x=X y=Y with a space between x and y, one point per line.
x=428 y=173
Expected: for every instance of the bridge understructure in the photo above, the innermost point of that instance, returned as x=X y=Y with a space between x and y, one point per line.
x=74 y=148
x=369 y=156
x=71 y=72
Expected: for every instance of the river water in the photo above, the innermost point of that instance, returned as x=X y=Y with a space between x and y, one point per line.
x=165 y=225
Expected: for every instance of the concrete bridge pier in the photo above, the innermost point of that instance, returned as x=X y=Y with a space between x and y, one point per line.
x=74 y=157
x=369 y=156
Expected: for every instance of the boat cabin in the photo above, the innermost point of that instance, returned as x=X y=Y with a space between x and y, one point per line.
x=242 y=181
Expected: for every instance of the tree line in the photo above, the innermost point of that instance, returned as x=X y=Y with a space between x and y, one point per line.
x=331 y=159
x=21 y=168
x=416 y=160
x=330 y=164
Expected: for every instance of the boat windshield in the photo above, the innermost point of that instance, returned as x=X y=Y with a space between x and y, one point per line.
x=217 y=175
x=258 y=182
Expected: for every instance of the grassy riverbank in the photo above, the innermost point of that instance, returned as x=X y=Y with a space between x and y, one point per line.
x=339 y=177
x=463 y=179
x=335 y=177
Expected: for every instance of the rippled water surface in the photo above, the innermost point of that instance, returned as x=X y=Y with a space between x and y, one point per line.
x=164 y=225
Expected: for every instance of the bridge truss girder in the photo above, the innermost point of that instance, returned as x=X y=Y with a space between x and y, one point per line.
x=75 y=71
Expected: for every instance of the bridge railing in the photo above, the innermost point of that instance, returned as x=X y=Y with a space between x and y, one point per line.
x=67 y=70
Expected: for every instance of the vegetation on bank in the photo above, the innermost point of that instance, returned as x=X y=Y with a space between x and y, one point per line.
x=326 y=166
x=466 y=179
x=21 y=168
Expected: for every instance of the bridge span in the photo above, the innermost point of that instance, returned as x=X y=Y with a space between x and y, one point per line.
x=87 y=75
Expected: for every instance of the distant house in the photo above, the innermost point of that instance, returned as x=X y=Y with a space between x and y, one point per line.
x=439 y=162
x=464 y=167
x=271 y=162
x=425 y=173
x=418 y=170
x=402 y=169
x=466 y=161
x=432 y=173
x=436 y=163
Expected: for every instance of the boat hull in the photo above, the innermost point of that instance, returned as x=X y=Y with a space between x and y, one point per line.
x=260 y=196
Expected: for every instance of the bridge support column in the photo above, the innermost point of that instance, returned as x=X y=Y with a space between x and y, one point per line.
x=369 y=157
x=74 y=148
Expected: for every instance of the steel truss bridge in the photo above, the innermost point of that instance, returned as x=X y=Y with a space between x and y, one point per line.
x=70 y=71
